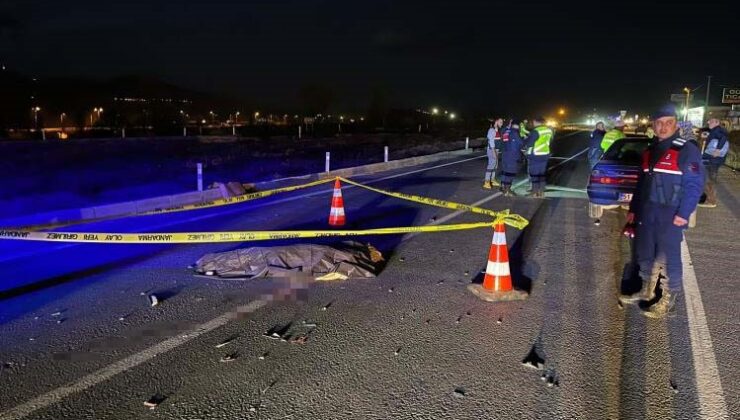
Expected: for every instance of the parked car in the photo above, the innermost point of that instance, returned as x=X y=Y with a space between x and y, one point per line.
x=614 y=178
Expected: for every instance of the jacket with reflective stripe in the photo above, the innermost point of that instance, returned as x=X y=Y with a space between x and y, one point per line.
x=539 y=141
x=609 y=138
x=672 y=177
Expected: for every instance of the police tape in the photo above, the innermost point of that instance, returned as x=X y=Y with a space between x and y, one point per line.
x=513 y=220
x=215 y=237
x=243 y=198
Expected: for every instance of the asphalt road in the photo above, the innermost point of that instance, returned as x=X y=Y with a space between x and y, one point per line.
x=412 y=343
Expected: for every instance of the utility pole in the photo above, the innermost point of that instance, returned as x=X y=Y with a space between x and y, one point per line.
x=706 y=100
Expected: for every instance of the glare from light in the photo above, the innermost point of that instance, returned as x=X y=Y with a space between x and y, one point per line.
x=435 y=111
x=452 y=115
x=561 y=111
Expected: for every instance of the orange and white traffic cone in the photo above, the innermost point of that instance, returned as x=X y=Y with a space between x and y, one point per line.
x=497 y=284
x=336 y=214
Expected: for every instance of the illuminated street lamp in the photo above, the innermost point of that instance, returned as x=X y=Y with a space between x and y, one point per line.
x=435 y=111
x=561 y=111
x=36 y=110
x=95 y=111
x=452 y=115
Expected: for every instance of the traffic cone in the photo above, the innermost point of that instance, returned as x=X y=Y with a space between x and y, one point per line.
x=497 y=285
x=336 y=214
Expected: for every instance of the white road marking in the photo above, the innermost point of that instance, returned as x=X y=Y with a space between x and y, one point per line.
x=108 y=372
x=708 y=384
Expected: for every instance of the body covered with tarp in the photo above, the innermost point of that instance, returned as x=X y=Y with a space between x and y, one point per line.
x=321 y=262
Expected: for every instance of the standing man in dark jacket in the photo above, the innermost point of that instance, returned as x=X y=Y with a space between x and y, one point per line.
x=667 y=192
x=494 y=138
x=594 y=144
x=715 y=152
x=511 y=156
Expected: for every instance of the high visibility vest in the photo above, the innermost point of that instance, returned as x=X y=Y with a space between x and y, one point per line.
x=523 y=132
x=541 y=146
x=609 y=138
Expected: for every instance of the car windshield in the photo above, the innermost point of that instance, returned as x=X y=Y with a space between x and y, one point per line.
x=627 y=151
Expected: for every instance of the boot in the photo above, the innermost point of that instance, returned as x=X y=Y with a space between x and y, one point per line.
x=487 y=185
x=506 y=189
x=646 y=293
x=494 y=182
x=664 y=306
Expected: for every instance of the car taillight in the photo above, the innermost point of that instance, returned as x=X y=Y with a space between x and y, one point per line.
x=599 y=177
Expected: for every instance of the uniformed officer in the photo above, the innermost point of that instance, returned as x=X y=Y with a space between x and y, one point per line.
x=667 y=192
x=538 y=153
x=594 y=144
x=494 y=138
x=511 y=156
x=612 y=135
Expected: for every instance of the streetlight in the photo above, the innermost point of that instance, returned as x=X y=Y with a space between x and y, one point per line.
x=452 y=115
x=561 y=111
x=36 y=117
x=435 y=111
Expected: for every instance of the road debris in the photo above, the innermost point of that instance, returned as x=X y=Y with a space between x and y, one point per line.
x=263 y=356
x=674 y=387
x=279 y=332
x=227 y=341
x=500 y=320
x=299 y=339
x=459 y=392
x=153 y=300
x=467 y=273
x=390 y=290
x=397 y=352
x=230 y=357
x=533 y=359
x=327 y=306
x=402 y=259
x=57 y=313
x=154 y=401
x=60 y=320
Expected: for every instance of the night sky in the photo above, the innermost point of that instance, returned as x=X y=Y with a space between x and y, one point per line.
x=468 y=56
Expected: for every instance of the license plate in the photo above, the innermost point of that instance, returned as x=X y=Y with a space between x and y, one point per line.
x=625 y=197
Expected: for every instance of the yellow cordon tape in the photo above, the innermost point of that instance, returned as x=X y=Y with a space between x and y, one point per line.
x=213 y=237
x=514 y=220
x=233 y=200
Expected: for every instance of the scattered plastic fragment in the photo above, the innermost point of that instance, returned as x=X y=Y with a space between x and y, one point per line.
x=451 y=251
x=299 y=339
x=390 y=290
x=59 y=321
x=467 y=273
x=459 y=392
x=263 y=356
x=327 y=306
x=230 y=357
x=597 y=222
x=402 y=259
x=534 y=360
x=674 y=387
x=153 y=300
x=458 y=319
x=440 y=281
x=57 y=313
x=154 y=401
x=397 y=352
x=500 y=320
x=227 y=341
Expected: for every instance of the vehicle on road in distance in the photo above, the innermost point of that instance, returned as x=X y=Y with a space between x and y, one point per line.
x=614 y=178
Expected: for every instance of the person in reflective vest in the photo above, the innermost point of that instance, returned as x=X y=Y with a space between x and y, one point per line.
x=538 y=153
x=510 y=156
x=667 y=192
x=523 y=131
x=594 y=144
x=494 y=138
x=612 y=135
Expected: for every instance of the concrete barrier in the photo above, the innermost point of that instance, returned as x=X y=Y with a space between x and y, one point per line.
x=73 y=216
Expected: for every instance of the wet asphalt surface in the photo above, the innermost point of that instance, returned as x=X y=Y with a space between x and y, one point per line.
x=412 y=343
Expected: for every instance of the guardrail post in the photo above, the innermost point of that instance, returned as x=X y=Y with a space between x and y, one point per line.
x=467 y=143
x=385 y=154
x=328 y=161
x=200 y=176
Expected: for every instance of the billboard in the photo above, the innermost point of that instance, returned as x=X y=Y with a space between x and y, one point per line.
x=731 y=95
x=695 y=116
